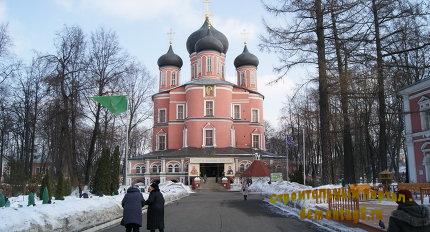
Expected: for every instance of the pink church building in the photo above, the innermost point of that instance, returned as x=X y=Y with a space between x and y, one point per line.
x=207 y=126
x=416 y=105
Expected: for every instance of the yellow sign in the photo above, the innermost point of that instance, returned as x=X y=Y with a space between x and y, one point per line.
x=211 y=160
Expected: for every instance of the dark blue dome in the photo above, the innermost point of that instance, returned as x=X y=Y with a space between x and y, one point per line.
x=202 y=32
x=170 y=59
x=246 y=58
x=209 y=42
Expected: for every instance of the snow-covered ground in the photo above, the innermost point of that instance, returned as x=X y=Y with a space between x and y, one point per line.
x=73 y=214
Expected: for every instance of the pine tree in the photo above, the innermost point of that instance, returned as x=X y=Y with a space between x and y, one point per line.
x=46 y=182
x=101 y=179
x=31 y=200
x=45 y=196
x=59 y=191
x=114 y=178
x=2 y=200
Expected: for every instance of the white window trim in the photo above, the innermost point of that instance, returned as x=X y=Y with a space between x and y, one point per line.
x=253 y=77
x=163 y=78
x=258 y=115
x=173 y=79
x=184 y=114
x=259 y=141
x=158 y=141
x=233 y=113
x=213 y=108
x=208 y=64
x=242 y=78
x=165 y=115
x=185 y=137
x=213 y=138
x=424 y=103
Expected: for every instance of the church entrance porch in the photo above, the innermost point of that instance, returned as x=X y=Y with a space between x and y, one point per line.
x=212 y=170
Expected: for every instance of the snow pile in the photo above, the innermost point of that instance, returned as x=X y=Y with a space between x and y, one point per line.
x=72 y=214
x=279 y=187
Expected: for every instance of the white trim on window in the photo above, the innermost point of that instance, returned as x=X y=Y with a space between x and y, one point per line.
x=173 y=79
x=213 y=137
x=158 y=141
x=242 y=80
x=233 y=112
x=205 y=108
x=163 y=78
x=252 y=115
x=253 y=142
x=253 y=77
x=183 y=112
x=209 y=64
x=165 y=115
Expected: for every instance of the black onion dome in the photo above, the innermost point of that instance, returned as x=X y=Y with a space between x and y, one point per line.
x=170 y=59
x=202 y=32
x=246 y=58
x=209 y=42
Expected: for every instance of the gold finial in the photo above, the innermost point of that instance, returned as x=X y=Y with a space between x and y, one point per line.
x=170 y=35
x=245 y=36
x=207 y=13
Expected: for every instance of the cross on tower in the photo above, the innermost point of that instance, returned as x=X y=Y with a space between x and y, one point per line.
x=207 y=13
x=245 y=35
x=170 y=35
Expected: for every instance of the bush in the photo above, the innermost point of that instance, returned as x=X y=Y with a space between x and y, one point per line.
x=46 y=182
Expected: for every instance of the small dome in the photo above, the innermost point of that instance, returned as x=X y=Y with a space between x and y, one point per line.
x=202 y=32
x=246 y=58
x=170 y=59
x=209 y=42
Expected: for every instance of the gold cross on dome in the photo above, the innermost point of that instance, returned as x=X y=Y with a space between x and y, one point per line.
x=245 y=36
x=170 y=35
x=207 y=13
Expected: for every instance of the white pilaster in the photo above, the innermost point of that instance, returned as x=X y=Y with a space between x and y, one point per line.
x=412 y=172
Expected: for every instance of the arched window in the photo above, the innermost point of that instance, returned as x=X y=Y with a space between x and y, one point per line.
x=241 y=167
x=192 y=71
x=170 y=168
x=199 y=66
x=242 y=79
x=138 y=169
x=176 y=168
x=163 y=78
x=209 y=64
x=156 y=168
x=186 y=167
x=173 y=81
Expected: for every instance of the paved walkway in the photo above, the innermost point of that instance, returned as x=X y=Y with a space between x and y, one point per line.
x=224 y=212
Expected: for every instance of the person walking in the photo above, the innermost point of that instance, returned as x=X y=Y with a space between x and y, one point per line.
x=245 y=191
x=132 y=203
x=409 y=216
x=155 y=215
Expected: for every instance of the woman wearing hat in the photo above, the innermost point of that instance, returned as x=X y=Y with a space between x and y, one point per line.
x=155 y=215
x=132 y=215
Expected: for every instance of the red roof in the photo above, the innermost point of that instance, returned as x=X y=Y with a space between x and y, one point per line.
x=257 y=169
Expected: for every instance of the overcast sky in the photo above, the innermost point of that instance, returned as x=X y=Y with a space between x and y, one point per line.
x=142 y=26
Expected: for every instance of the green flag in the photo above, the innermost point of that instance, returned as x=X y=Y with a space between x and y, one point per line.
x=115 y=104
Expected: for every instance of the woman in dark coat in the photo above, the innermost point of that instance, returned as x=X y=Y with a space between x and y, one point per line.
x=155 y=215
x=409 y=216
x=132 y=215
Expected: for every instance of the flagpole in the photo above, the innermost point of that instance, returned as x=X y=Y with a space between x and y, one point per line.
x=126 y=145
x=286 y=151
x=304 y=159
